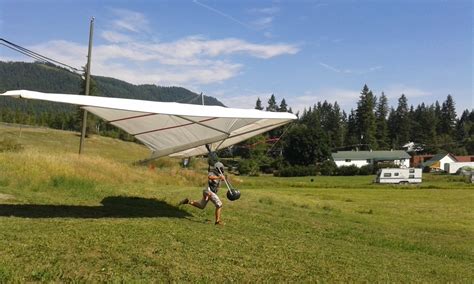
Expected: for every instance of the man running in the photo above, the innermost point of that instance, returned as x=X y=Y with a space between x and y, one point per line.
x=214 y=178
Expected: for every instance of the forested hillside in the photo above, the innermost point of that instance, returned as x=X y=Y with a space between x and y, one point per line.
x=49 y=78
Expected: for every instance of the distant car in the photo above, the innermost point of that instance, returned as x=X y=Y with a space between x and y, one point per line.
x=401 y=176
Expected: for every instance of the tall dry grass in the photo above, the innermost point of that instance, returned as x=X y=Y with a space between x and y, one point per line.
x=31 y=167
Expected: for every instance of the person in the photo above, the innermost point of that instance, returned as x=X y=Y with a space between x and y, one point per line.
x=214 y=178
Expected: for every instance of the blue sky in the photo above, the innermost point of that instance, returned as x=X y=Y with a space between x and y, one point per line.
x=303 y=51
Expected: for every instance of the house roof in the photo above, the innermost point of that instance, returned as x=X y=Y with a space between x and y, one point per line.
x=464 y=158
x=375 y=155
x=437 y=158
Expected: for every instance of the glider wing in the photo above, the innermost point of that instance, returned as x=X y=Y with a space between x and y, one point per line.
x=172 y=129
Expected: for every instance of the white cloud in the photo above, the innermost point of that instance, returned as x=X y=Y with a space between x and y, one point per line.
x=263 y=23
x=243 y=101
x=396 y=90
x=346 y=98
x=350 y=71
x=242 y=98
x=115 y=37
x=268 y=34
x=130 y=21
x=238 y=97
x=265 y=19
x=266 y=10
x=188 y=61
x=68 y=52
x=191 y=60
x=9 y=59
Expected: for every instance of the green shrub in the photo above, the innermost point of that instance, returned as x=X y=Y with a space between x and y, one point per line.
x=351 y=170
x=366 y=170
x=296 y=171
x=328 y=168
x=266 y=164
x=249 y=167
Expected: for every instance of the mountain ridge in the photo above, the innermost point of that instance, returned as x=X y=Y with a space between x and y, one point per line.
x=52 y=79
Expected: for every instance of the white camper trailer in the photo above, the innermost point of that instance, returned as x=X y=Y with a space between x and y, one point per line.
x=453 y=168
x=409 y=175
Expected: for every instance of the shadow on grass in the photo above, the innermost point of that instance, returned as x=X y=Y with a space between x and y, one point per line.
x=112 y=207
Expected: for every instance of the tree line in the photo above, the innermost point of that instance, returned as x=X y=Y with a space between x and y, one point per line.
x=373 y=125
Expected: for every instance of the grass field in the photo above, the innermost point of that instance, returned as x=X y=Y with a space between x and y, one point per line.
x=99 y=218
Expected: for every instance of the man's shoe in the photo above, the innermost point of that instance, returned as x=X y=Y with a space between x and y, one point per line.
x=220 y=223
x=184 y=201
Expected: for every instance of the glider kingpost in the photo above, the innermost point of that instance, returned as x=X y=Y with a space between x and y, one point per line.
x=172 y=129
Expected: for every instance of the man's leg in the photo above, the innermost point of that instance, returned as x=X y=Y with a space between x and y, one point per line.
x=218 y=215
x=201 y=204
x=218 y=203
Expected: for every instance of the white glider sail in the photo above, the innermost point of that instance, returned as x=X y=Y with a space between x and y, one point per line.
x=172 y=129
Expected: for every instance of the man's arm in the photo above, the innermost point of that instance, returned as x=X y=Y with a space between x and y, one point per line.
x=222 y=177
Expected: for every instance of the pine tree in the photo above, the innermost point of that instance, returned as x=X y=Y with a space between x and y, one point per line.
x=402 y=122
x=337 y=125
x=412 y=121
x=366 y=118
x=392 y=128
x=437 y=122
x=381 y=133
x=258 y=104
x=272 y=105
x=307 y=142
x=416 y=118
x=283 y=106
x=351 y=137
x=463 y=127
x=448 y=117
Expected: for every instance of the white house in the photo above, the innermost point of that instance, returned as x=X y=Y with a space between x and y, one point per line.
x=362 y=158
x=438 y=162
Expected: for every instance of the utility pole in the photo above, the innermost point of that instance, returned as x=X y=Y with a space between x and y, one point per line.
x=202 y=98
x=88 y=75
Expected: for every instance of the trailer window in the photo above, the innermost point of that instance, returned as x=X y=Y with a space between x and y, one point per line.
x=396 y=174
x=411 y=176
x=412 y=171
x=387 y=175
x=348 y=160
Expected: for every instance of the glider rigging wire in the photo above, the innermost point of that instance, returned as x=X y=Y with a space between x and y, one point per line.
x=36 y=55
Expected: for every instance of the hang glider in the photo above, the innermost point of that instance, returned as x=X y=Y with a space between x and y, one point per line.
x=172 y=129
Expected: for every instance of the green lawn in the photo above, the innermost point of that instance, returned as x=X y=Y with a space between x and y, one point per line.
x=99 y=218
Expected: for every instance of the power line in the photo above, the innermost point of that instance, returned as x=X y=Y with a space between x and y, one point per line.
x=43 y=58
x=36 y=55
